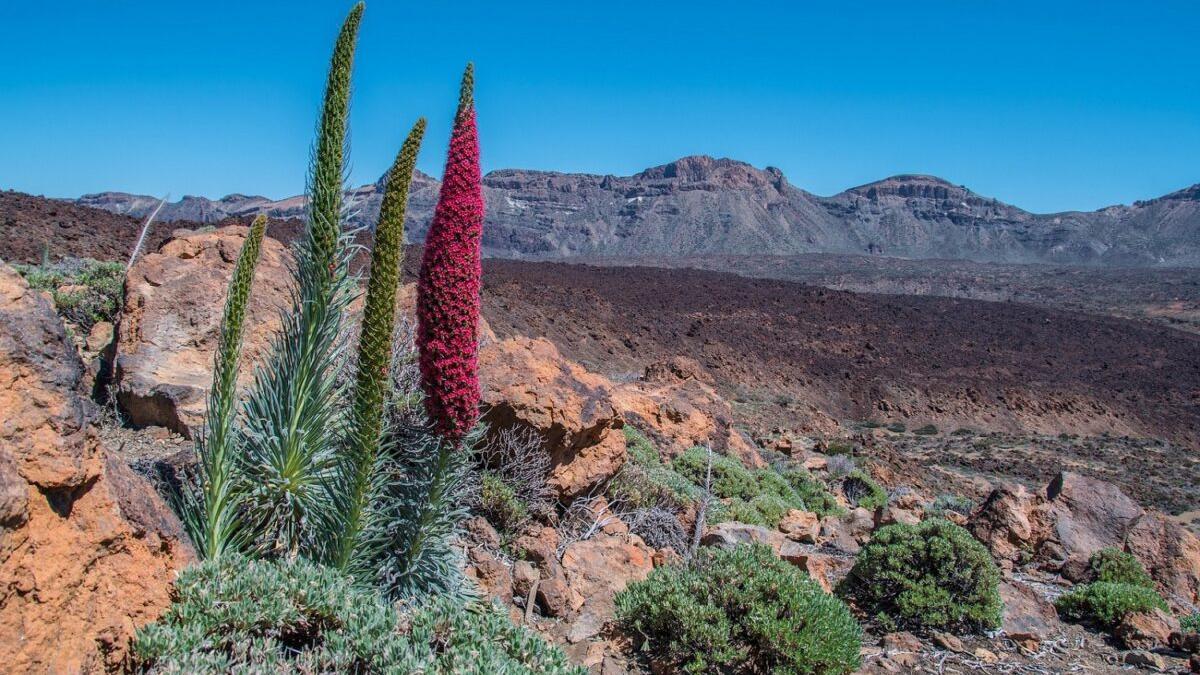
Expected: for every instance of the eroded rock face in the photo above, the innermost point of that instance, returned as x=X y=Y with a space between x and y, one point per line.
x=88 y=550
x=1076 y=517
x=580 y=414
x=527 y=382
x=174 y=298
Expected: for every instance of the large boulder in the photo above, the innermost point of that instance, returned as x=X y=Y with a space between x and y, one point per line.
x=1060 y=529
x=169 y=328
x=527 y=382
x=87 y=550
x=596 y=570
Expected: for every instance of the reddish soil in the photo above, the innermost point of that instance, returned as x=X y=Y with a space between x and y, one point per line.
x=778 y=348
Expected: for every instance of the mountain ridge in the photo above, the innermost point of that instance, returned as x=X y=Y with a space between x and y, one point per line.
x=699 y=205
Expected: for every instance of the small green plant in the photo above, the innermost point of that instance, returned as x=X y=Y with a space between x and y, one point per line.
x=840 y=448
x=944 y=504
x=499 y=503
x=739 y=610
x=759 y=496
x=930 y=575
x=862 y=490
x=266 y=616
x=1190 y=623
x=729 y=477
x=244 y=615
x=897 y=427
x=927 y=430
x=1106 y=603
x=85 y=291
x=644 y=482
x=1116 y=566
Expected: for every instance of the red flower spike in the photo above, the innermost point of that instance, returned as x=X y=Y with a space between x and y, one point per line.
x=448 y=289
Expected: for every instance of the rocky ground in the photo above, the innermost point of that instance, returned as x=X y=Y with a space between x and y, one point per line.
x=754 y=369
x=1167 y=296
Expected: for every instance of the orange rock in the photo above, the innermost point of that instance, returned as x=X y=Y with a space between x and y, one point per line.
x=801 y=526
x=168 y=330
x=90 y=550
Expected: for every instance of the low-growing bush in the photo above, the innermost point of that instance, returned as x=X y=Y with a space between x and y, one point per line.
x=245 y=615
x=264 y=616
x=927 y=430
x=759 y=496
x=659 y=528
x=499 y=503
x=840 y=466
x=644 y=482
x=896 y=427
x=85 y=291
x=862 y=490
x=839 y=448
x=1116 y=566
x=1190 y=623
x=944 y=504
x=740 y=610
x=729 y=477
x=1106 y=603
x=930 y=575
x=812 y=492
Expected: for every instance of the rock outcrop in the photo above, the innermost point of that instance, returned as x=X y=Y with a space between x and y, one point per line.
x=171 y=321
x=87 y=550
x=1077 y=516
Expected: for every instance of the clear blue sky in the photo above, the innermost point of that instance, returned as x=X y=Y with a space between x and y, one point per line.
x=1048 y=105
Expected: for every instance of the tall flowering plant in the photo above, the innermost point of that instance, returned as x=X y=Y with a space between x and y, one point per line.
x=449 y=286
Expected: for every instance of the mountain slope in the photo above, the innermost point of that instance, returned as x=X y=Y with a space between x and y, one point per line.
x=700 y=205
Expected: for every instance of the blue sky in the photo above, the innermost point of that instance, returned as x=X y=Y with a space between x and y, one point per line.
x=1047 y=105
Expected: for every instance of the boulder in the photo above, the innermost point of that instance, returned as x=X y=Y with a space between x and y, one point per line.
x=88 y=550
x=800 y=526
x=678 y=407
x=1146 y=630
x=527 y=382
x=174 y=298
x=1088 y=515
x=599 y=568
x=730 y=535
x=1009 y=522
x=1027 y=615
x=1076 y=517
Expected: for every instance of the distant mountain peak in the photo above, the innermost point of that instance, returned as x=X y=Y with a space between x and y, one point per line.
x=700 y=205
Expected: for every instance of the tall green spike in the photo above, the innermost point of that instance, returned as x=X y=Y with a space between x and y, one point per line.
x=214 y=529
x=327 y=173
x=466 y=94
x=375 y=340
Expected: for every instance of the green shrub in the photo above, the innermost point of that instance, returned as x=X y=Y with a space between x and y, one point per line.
x=930 y=575
x=944 y=504
x=1106 y=603
x=927 y=430
x=757 y=497
x=272 y=617
x=840 y=448
x=896 y=427
x=250 y=615
x=85 y=291
x=729 y=477
x=812 y=492
x=1116 y=566
x=862 y=490
x=644 y=482
x=499 y=503
x=1190 y=623
x=740 y=610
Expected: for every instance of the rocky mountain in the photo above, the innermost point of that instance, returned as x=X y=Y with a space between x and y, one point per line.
x=701 y=205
